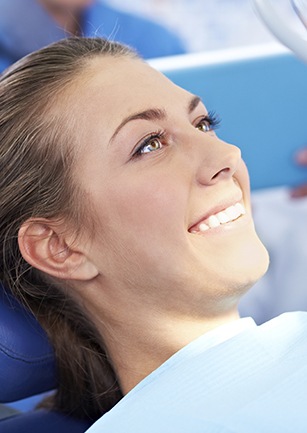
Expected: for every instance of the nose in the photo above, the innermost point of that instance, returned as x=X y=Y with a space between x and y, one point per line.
x=219 y=160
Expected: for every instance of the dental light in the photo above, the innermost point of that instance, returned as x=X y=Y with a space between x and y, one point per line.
x=280 y=28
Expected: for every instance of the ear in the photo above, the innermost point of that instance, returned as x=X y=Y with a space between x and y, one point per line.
x=44 y=246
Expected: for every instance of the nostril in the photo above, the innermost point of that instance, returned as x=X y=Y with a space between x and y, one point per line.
x=218 y=163
x=223 y=171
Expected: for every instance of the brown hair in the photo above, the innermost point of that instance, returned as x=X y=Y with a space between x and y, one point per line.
x=36 y=161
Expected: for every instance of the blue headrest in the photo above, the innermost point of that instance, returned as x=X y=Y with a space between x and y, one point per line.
x=42 y=420
x=26 y=357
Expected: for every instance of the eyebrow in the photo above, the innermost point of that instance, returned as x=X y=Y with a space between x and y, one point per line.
x=153 y=114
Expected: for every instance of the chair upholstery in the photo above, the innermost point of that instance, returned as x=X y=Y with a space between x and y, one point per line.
x=26 y=357
x=43 y=421
x=27 y=368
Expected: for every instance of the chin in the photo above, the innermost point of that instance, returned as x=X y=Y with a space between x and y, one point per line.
x=249 y=261
x=254 y=264
x=239 y=271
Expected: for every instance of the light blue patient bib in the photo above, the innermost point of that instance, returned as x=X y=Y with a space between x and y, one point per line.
x=231 y=380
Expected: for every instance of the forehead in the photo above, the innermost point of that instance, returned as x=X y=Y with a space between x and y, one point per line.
x=120 y=86
x=111 y=89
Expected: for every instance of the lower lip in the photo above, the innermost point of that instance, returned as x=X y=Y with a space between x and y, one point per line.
x=242 y=221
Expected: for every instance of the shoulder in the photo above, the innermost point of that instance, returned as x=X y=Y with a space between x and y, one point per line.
x=289 y=330
x=293 y=322
x=163 y=423
x=222 y=389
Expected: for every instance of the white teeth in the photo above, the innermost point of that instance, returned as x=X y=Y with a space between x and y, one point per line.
x=232 y=212
x=203 y=227
x=213 y=221
x=229 y=214
x=240 y=208
x=223 y=217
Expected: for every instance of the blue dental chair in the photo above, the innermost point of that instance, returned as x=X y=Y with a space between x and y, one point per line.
x=262 y=98
x=27 y=368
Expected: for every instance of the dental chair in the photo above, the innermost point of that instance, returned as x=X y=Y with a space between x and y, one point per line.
x=27 y=368
x=261 y=95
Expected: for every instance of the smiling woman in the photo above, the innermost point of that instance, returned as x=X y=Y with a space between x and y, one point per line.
x=126 y=228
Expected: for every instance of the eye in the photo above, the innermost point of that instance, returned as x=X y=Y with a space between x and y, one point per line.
x=210 y=122
x=204 y=125
x=150 y=144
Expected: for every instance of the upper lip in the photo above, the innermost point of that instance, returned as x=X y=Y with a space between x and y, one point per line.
x=220 y=206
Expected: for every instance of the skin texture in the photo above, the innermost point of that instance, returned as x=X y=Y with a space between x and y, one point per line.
x=149 y=282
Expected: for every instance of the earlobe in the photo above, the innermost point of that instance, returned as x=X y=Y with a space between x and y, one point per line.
x=45 y=248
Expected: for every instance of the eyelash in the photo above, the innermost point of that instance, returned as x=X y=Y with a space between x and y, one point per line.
x=212 y=122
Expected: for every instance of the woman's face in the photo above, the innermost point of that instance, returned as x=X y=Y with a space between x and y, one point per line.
x=170 y=199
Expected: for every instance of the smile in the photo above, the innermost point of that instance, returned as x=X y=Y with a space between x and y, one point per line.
x=225 y=216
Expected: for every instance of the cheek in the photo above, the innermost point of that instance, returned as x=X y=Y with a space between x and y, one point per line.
x=148 y=208
x=147 y=201
x=241 y=177
x=143 y=229
x=144 y=221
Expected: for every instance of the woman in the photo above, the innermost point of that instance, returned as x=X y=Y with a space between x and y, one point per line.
x=126 y=228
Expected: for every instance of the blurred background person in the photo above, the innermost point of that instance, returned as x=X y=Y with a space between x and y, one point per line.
x=209 y=24
x=27 y=25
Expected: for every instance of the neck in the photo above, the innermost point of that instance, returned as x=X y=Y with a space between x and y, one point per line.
x=140 y=340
